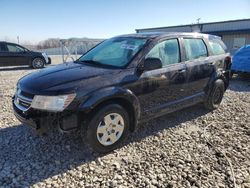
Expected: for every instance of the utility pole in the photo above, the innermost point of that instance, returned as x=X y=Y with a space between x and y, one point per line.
x=62 y=50
x=18 y=39
x=198 y=20
x=199 y=24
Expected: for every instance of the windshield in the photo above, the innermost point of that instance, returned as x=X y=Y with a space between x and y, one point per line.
x=116 y=52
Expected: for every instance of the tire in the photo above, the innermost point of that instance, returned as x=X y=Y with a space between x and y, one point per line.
x=106 y=135
x=215 y=96
x=231 y=74
x=38 y=63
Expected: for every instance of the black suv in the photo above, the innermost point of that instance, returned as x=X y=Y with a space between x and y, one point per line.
x=122 y=81
x=13 y=54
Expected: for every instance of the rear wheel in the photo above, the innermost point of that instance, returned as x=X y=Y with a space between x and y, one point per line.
x=215 y=96
x=231 y=74
x=38 y=63
x=107 y=128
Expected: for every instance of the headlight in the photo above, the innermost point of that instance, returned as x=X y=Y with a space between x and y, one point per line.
x=45 y=57
x=17 y=91
x=44 y=54
x=52 y=103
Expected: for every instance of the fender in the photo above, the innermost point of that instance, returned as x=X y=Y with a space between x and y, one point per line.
x=226 y=77
x=111 y=93
x=218 y=74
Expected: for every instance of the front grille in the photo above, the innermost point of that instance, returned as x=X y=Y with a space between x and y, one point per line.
x=22 y=101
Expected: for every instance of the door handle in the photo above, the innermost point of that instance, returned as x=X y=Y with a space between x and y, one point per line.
x=181 y=70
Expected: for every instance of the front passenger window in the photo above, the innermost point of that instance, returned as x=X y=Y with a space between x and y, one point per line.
x=167 y=51
x=13 y=48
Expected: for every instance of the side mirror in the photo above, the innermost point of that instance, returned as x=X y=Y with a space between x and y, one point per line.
x=152 y=64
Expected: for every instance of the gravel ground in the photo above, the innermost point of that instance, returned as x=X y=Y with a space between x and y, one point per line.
x=170 y=151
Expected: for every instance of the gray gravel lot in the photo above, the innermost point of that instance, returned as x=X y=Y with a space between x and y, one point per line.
x=170 y=151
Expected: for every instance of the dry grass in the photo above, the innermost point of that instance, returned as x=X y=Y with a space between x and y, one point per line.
x=57 y=59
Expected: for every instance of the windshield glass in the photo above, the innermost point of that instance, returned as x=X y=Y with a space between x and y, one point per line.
x=116 y=52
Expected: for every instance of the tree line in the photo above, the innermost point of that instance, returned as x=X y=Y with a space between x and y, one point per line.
x=78 y=42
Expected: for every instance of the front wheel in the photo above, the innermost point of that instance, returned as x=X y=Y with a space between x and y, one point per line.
x=215 y=96
x=38 y=63
x=107 y=128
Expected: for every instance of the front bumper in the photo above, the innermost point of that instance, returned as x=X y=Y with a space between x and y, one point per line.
x=23 y=119
x=43 y=121
x=49 y=61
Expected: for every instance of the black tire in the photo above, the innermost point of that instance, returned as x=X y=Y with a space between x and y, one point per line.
x=215 y=95
x=91 y=135
x=38 y=63
x=231 y=74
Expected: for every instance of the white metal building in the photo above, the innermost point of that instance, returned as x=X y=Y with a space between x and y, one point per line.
x=234 y=33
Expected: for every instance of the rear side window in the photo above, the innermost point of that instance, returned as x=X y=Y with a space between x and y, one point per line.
x=216 y=47
x=3 y=48
x=195 y=48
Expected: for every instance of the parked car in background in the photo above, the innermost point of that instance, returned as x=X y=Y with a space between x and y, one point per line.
x=122 y=81
x=13 y=55
x=241 y=61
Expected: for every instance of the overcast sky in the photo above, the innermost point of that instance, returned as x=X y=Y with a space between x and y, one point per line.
x=33 y=20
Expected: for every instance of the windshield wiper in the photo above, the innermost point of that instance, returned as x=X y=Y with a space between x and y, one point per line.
x=91 y=62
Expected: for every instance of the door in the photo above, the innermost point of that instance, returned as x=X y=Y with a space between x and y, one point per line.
x=4 y=60
x=158 y=89
x=17 y=55
x=199 y=66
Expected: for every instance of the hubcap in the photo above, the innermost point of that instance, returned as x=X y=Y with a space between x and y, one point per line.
x=110 y=129
x=38 y=63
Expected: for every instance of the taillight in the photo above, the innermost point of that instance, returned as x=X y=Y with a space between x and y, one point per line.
x=228 y=62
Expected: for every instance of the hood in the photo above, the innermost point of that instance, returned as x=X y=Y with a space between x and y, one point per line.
x=60 y=74
x=34 y=52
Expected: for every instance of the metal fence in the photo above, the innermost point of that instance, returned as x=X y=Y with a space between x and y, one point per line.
x=68 y=49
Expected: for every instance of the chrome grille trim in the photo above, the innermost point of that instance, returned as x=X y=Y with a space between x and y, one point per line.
x=23 y=99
